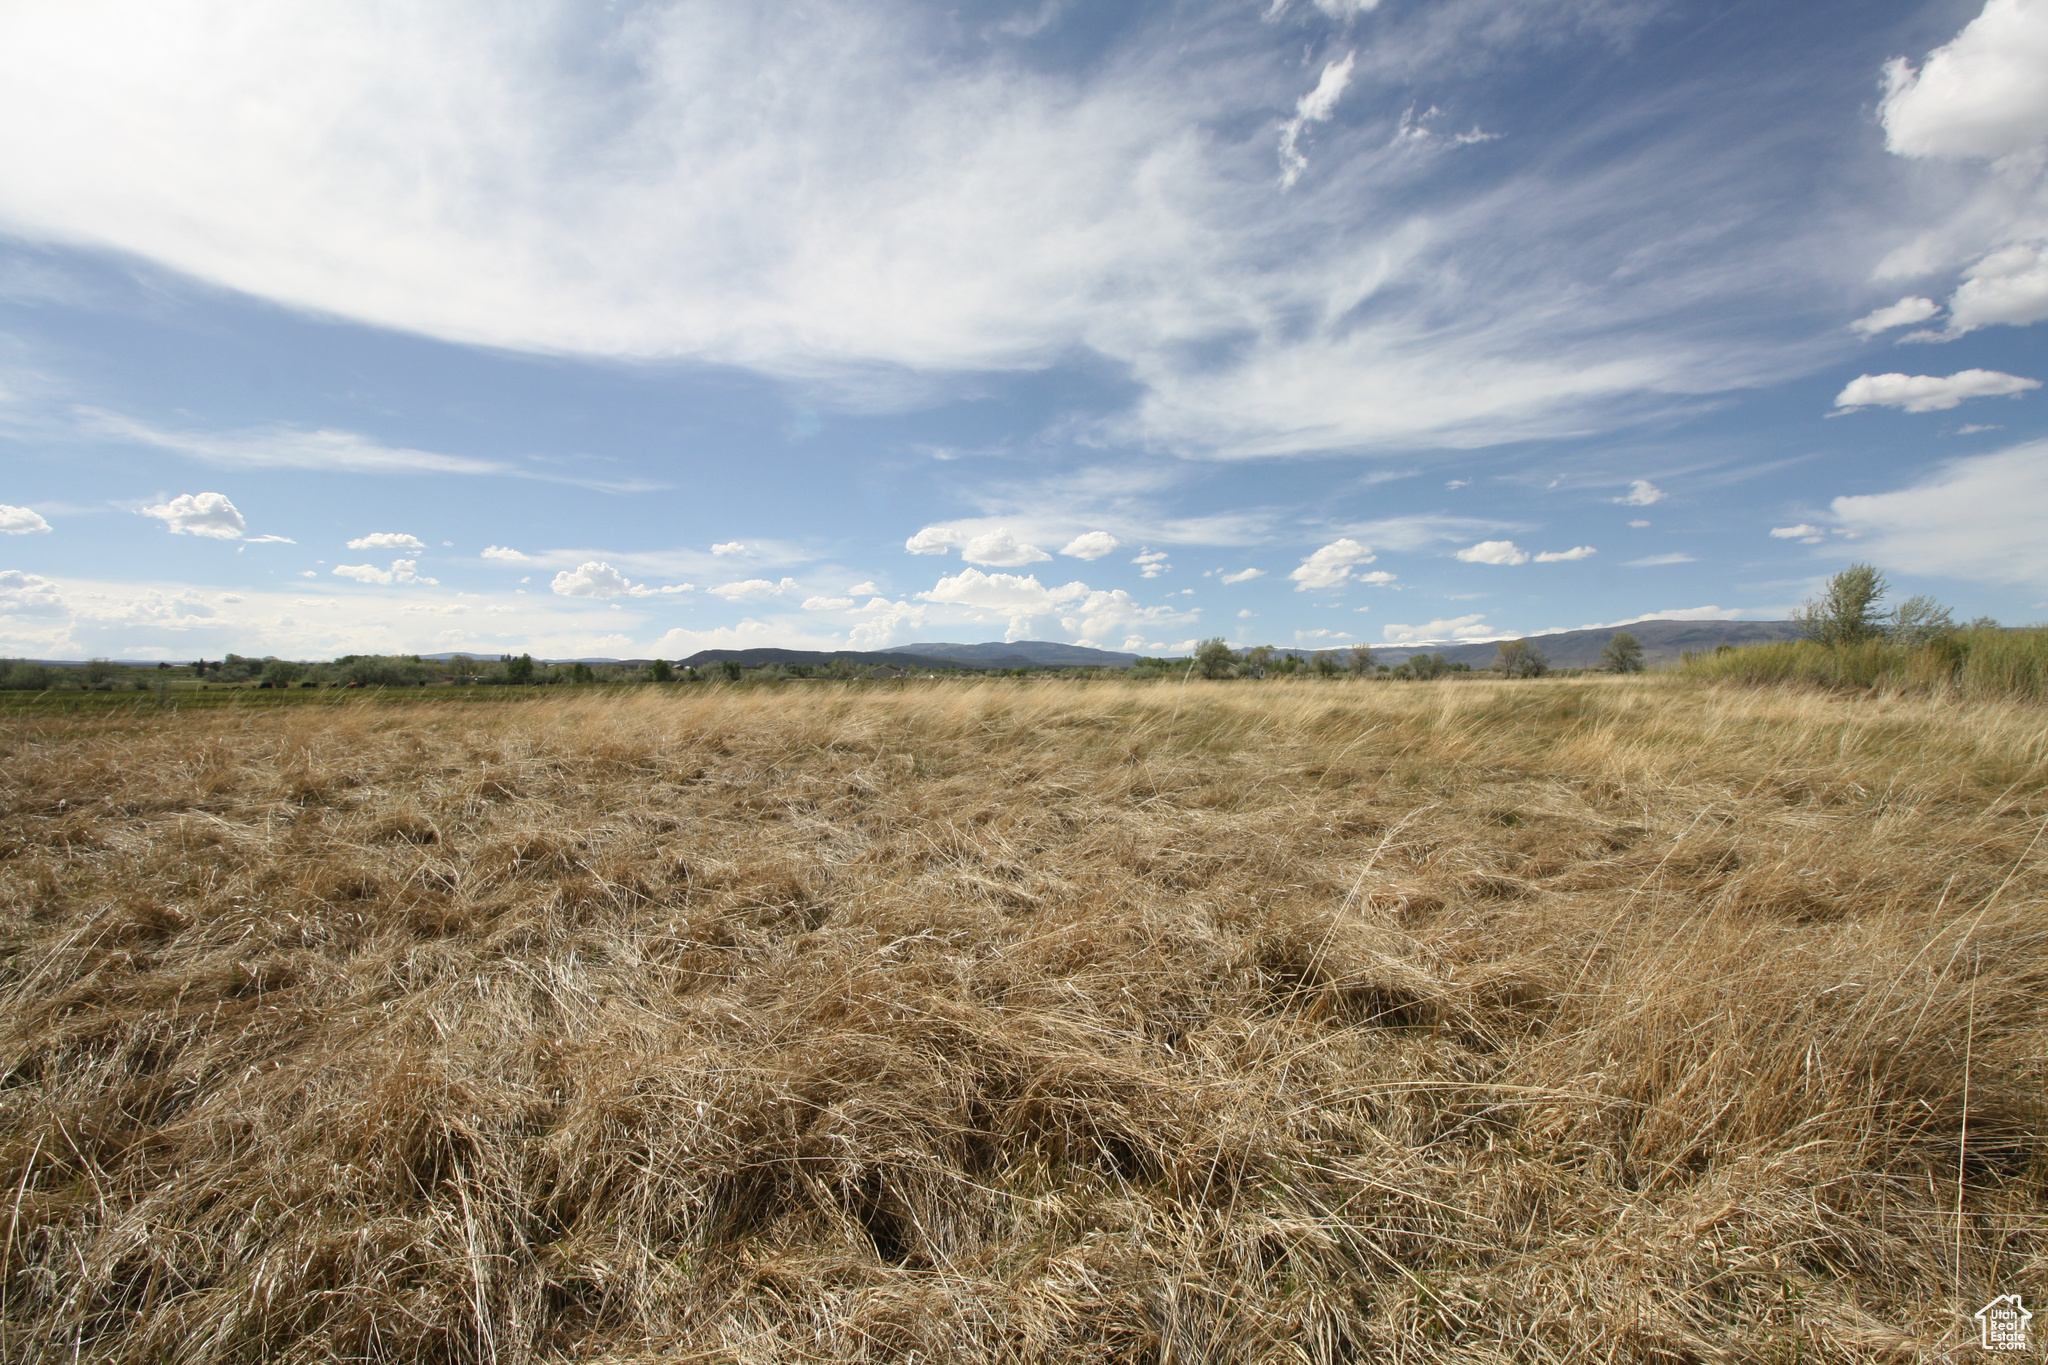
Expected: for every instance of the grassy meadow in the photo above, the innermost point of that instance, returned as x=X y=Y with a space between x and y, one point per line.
x=1592 y=1019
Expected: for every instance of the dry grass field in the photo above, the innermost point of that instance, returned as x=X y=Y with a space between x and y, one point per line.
x=1583 y=1020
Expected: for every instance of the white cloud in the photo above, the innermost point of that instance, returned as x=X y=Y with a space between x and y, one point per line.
x=1331 y=566
x=827 y=603
x=1563 y=556
x=389 y=540
x=1012 y=594
x=20 y=521
x=1981 y=96
x=1430 y=632
x=1901 y=314
x=2008 y=286
x=1378 y=578
x=863 y=590
x=932 y=540
x=200 y=514
x=1090 y=545
x=1928 y=392
x=1654 y=561
x=1152 y=563
x=836 y=195
x=504 y=552
x=1242 y=576
x=1804 y=532
x=885 y=620
x=284 y=448
x=1001 y=549
x=1246 y=614
x=1977 y=518
x=27 y=594
x=1641 y=493
x=729 y=547
x=1494 y=552
x=1639 y=524
x=268 y=540
x=1458 y=483
x=595 y=578
x=1315 y=107
x=401 y=571
x=753 y=587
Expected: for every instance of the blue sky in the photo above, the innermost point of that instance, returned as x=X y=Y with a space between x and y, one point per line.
x=648 y=327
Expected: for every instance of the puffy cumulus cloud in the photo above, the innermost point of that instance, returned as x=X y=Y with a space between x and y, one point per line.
x=1011 y=594
x=827 y=603
x=200 y=514
x=1241 y=576
x=1980 y=96
x=1001 y=549
x=932 y=540
x=505 y=552
x=592 y=578
x=1904 y=313
x=882 y=621
x=1378 y=578
x=863 y=590
x=1805 y=533
x=1494 y=552
x=753 y=587
x=2008 y=286
x=20 y=521
x=1102 y=615
x=729 y=547
x=27 y=594
x=1152 y=563
x=597 y=579
x=1641 y=493
x=1928 y=392
x=1977 y=518
x=1332 y=565
x=401 y=571
x=389 y=540
x=1565 y=556
x=1435 y=632
x=1090 y=545
x=1316 y=106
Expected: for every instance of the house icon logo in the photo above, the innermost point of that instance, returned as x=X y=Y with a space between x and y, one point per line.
x=2002 y=1324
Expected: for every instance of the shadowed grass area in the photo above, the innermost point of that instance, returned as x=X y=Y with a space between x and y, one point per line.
x=1598 y=1019
x=1987 y=664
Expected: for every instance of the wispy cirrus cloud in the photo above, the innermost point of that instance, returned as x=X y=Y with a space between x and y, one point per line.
x=894 y=209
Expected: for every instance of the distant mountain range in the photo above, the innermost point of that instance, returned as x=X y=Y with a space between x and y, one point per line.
x=1662 y=641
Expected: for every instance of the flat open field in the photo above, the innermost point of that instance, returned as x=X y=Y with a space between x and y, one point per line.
x=1585 y=1020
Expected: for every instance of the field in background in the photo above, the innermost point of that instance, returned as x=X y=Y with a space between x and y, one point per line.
x=1590 y=1019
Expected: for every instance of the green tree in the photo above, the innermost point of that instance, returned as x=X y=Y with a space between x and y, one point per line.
x=1919 y=621
x=1520 y=659
x=519 y=670
x=1215 y=659
x=731 y=669
x=1845 y=611
x=98 y=672
x=659 y=671
x=1623 y=654
x=1359 y=659
x=1327 y=666
x=1257 y=662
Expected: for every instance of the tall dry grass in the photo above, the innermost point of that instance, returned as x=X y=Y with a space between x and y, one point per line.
x=1595 y=1020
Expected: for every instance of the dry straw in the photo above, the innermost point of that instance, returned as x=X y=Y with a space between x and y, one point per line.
x=1594 y=1020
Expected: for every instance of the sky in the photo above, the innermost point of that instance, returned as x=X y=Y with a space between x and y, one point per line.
x=633 y=329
